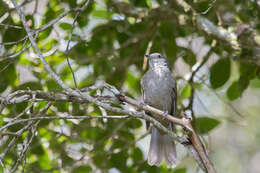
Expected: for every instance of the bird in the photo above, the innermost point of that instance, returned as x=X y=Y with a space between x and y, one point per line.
x=159 y=90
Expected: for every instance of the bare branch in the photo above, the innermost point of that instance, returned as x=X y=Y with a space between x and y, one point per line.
x=12 y=56
x=11 y=26
x=210 y=6
x=67 y=48
x=218 y=32
x=59 y=117
x=26 y=145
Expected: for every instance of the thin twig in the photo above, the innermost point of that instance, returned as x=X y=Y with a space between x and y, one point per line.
x=14 y=42
x=148 y=49
x=70 y=36
x=46 y=26
x=3 y=69
x=59 y=117
x=26 y=144
x=191 y=83
x=210 y=6
x=12 y=56
x=11 y=26
x=22 y=155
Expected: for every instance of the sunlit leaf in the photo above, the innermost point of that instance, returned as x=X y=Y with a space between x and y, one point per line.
x=186 y=91
x=65 y=26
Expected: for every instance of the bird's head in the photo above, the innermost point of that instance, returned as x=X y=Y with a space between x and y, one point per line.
x=157 y=60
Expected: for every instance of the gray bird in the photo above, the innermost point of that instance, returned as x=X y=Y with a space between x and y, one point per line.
x=159 y=91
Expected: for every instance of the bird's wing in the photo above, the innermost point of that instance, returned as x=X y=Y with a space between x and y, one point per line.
x=143 y=97
x=144 y=82
x=174 y=98
x=142 y=87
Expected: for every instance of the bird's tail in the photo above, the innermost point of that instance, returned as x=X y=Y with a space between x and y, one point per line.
x=161 y=147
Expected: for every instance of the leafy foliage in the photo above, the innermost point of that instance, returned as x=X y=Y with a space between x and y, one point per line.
x=107 y=43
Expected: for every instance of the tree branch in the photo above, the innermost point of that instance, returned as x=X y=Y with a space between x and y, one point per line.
x=60 y=117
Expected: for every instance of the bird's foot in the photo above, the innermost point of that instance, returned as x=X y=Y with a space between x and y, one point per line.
x=165 y=114
x=141 y=103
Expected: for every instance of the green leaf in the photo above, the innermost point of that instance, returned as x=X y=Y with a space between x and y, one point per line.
x=139 y=3
x=119 y=160
x=126 y=134
x=94 y=133
x=82 y=169
x=219 y=73
x=53 y=86
x=206 y=124
x=99 y=160
x=190 y=59
x=44 y=161
x=137 y=155
x=66 y=160
x=62 y=107
x=83 y=18
x=255 y=83
x=237 y=88
x=166 y=29
x=134 y=123
x=45 y=34
x=170 y=50
x=38 y=149
x=72 y=3
x=9 y=79
x=186 y=91
x=12 y=34
x=179 y=170
x=66 y=26
x=118 y=144
x=132 y=82
x=243 y=83
x=233 y=91
x=248 y=70
x=31 y=85
x=100 y=13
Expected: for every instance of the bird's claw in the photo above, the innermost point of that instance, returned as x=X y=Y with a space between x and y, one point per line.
x=142 y=103
x=165 y=114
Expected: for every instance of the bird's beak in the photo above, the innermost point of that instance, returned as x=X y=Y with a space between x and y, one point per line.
x=147 y=55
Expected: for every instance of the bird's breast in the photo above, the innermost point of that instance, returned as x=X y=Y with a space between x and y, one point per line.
x=157 y=91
